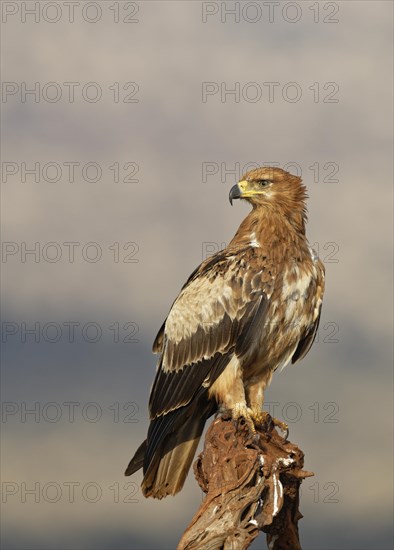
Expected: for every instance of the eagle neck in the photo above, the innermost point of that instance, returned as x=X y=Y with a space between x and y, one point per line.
x=265 y=226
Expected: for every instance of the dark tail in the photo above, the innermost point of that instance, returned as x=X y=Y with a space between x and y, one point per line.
x=167 y=453
x=137 y=461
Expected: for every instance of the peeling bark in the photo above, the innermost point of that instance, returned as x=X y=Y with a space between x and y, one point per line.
x=251 y=484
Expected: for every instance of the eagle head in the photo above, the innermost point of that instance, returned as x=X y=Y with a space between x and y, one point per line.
x=268 y=186
x=276 y=190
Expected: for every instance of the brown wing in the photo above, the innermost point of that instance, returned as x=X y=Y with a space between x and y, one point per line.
x=308 y=338
x=306 y=342
x=217 y=313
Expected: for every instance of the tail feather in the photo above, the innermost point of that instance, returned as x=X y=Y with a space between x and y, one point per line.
x=137 y=461
x=167 y=459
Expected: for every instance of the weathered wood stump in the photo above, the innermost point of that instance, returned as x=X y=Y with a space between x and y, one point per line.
x=252 y=484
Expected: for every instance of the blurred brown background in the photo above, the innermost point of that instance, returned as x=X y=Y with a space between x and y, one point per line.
x=136 y=118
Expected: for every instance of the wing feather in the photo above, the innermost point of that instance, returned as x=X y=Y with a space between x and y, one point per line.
x=175 y=389
x=218 y=307
x=305 y=344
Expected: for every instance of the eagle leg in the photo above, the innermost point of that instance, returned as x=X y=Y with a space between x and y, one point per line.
x=228 y=390
x=255 y=398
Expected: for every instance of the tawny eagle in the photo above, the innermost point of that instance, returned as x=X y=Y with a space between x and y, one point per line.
x=244 y=312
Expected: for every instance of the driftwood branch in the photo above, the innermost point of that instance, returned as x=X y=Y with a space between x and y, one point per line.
x=251 y=485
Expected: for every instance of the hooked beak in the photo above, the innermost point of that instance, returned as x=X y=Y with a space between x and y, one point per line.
x=235 y=193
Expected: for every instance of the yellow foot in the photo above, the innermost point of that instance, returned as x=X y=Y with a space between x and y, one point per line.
x=255 y=416
x=240 y=412
x=263 y=418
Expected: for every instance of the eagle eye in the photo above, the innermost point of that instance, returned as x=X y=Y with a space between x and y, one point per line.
x=264 y=183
